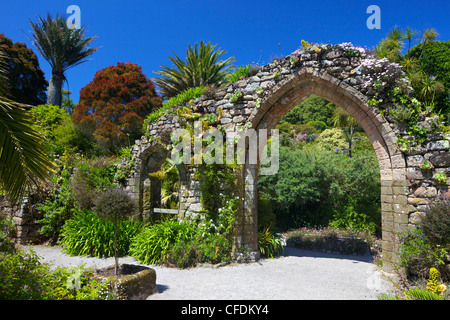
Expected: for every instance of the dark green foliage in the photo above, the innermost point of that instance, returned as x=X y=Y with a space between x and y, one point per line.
x=59 y=205
x=436 y=224
x=180 y=243
x=266 y=216
x=314 y=188
x=7 y=230
x=418 y=254
x=23 y=277
x=86 y=234
x=115 y=205
x=269 y=244
x=312 y=109
x=27 y=82
x=90 y=179
x=153 y=243
x=435 y=61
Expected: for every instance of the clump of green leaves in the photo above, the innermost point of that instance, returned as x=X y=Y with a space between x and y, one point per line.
x=440 y=177
x=92 y=177
x=234 y=97
x=153 y=243
x=239 y=73
x=169 y=105
x=269 y=244
x=86 y=234
x=24 y=277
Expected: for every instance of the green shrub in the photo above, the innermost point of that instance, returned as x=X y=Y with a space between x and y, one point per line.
x=418 y=254
x=114 y=205
x=88 y=235
x=266 y=216
x=90 y=179
x=202 y=248
x=56 y=125
x=269 y=244
x=181 y=243
x=168 y=105
x=314 y=187
x=59 y=206
x=153 y=243
x=436 y=224
x=23 y=277
x=239 y=73
x=7 y=230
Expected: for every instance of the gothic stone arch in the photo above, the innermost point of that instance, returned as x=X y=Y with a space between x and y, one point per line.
x=338 y=73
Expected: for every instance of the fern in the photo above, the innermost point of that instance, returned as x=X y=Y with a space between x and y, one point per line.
x=421 y=294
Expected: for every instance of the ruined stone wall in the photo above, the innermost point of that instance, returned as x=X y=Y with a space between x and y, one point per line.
x=346 y=76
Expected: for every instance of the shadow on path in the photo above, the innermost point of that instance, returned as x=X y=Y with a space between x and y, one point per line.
x=296 y=252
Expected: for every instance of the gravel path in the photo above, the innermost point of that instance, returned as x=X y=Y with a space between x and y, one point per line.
x=299 y=275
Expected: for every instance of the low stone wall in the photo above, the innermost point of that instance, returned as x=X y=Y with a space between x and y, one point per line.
x=26 y=227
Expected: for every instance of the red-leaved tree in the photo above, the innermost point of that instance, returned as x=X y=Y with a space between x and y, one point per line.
x=112 y=107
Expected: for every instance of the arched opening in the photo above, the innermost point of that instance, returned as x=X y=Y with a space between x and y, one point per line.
x=157 y=182
x=292 y=91
x=328 y=173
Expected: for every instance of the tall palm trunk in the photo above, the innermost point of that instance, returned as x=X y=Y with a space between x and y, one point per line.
x=54 y=96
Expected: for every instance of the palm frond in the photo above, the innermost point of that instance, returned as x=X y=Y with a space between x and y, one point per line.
x=23 y=159
x=60 y=45
x=201 y=67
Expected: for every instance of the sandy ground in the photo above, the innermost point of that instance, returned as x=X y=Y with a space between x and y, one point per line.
x=299 y=275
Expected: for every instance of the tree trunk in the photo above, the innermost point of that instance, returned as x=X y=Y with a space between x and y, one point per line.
x=54 y=91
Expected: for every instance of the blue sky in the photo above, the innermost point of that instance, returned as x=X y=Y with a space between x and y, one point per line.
x=147 y=32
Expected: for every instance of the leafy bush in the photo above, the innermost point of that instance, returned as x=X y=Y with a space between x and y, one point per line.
x=266 y=216
x=315 y=187
x=269 y=244
x=59 y=206
x=112 y=107
x=90 y=179
x=7 y=230
x=88 y=235
x=115 y=205
x=436 y=224
x=55 y=124
x=312 y=109
x=418 y=254
x=23 y=277
x=153 y=243
x=239 y=73
x=168 y=105
x=182 y=243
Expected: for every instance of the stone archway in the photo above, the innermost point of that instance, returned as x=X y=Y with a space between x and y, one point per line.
x=343 y=74
x=391 y=160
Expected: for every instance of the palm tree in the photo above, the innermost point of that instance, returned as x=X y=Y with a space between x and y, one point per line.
x=23 y=159
x=62 y=47
x=409 y=35
x=428 y=35
x=202 y=67
x=342 y=119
